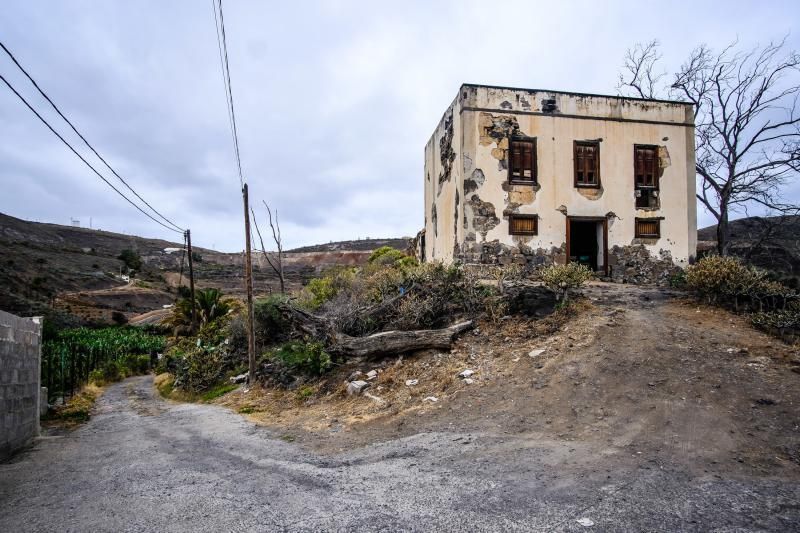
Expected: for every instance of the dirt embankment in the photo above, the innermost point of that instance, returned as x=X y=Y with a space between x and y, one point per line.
x=638 y=371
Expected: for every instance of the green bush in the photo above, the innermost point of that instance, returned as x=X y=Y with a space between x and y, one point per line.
x=388 y=256
x=727 y=280
x=136 y=365
x=319 y=291
x=561 y=279
x=270 y=322
x=110 y=372
x=309 y=358
x=131 y=259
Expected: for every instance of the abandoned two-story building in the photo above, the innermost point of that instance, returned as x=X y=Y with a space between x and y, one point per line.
x=539 y=177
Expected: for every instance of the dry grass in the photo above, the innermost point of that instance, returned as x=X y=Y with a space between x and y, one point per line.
x=76 y=411
x=491 y=351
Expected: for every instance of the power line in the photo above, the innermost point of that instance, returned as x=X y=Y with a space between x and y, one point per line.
x=14 y=59
x=227 y=77
x=222 y=72
x=82 y=158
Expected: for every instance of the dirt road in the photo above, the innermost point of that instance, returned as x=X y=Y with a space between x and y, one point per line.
x=649 y=422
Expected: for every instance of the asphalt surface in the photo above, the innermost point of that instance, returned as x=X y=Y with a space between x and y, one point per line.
x=144 y=464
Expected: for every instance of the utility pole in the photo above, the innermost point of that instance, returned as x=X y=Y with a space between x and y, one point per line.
x=191 y=278
x=248 y=280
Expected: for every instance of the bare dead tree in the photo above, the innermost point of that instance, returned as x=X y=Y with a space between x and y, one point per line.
x=274 y=259
x=747 y=122
x=638 y=72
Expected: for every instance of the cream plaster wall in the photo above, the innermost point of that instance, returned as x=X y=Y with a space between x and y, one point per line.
x=620 y=123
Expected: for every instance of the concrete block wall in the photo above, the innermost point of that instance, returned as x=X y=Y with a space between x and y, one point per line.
x=20 y=392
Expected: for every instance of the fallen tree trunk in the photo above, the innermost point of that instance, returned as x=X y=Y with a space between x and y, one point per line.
x=393 y=342
x=383 y=343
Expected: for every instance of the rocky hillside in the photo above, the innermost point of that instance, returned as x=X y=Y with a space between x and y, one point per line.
x=79 y=270
x=772 y=243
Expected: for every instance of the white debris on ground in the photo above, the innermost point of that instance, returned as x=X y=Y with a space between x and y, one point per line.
x=433 y=399
x=411 y=382
x=536 y=353
x=586 y=522
x=465 y=373
x=372 y=374
x=357 y=387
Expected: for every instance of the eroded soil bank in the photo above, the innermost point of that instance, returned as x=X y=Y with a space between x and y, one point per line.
x=646 y=414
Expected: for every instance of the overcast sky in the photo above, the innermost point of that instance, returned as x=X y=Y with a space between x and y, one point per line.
x=334 y=100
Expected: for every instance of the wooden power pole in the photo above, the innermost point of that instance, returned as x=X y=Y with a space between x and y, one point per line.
x=248 y=280
x=191 y=279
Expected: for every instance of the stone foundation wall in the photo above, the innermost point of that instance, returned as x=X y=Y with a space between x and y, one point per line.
x=626 y=264
x=635 y=264
x=20 y=356
x=497 y=253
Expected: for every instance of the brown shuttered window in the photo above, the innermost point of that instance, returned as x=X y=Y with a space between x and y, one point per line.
x=523 y=225
x=587 y=164
x=522 y=161
x=644 y=167
x=648 y=228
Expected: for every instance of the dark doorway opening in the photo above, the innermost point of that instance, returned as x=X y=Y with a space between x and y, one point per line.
x=586 y=242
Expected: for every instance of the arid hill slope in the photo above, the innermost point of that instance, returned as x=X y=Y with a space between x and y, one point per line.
x=43 y=263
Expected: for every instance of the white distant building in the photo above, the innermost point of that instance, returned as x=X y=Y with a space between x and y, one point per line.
x=535 y=177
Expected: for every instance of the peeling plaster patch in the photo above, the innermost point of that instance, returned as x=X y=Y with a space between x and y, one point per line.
x=496 y=128
x=511 y=208
x=434 y=220
x=467 y=164
x=520 y=194
x=525 y=103
x=428 y=176
x=506 y=105
x=446 y=153
x=590 y=193
x=663 y=158
x=455 y=224
x=474 y=182
x=483 y=215
x=562 y=209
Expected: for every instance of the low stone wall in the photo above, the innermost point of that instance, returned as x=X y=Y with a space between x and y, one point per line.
x=626 y=264
x=497 y=253
x=20 y=357
x=635 y=264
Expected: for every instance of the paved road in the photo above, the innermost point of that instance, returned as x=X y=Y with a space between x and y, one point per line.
x=143 y=464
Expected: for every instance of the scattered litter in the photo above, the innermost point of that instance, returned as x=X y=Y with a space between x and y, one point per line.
x=411 y=382
x=465 y=373
x=430 y=399
x=372 y=374
x=375 y=398
x=241 y=378
x=586 y=522
x=469 y=381
x=730 y=350
x=515 y=360
x=536 y=353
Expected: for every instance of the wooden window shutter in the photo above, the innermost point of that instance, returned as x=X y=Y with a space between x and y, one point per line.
x=523 y=225
x=522 y=161
x=648 y=228
x=645 y=166
x=587 y=163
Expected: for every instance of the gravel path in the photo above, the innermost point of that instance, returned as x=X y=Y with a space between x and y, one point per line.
x=143 y=464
